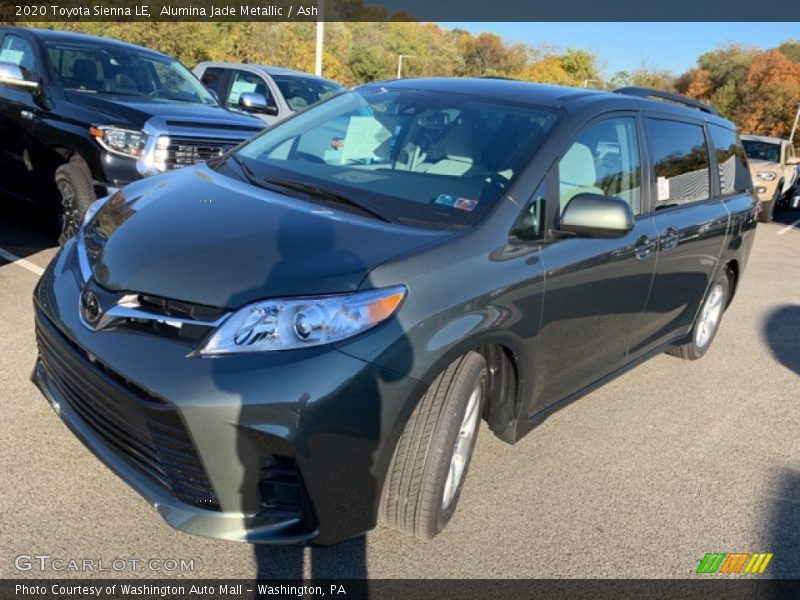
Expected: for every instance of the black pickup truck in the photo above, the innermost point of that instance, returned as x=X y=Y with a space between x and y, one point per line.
x=81 y=116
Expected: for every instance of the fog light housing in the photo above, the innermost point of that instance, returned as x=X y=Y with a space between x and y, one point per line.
x=760 y=189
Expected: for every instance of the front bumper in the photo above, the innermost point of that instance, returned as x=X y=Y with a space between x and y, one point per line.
x=316 y=421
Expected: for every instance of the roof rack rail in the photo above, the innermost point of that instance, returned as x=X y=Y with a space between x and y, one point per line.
x=643 y=92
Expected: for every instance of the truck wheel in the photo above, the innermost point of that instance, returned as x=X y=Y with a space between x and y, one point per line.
x=75 y=194
x=768 y=208
x=430 y=463
x=707 y=321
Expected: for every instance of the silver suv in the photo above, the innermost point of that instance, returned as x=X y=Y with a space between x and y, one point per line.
x=270 y=93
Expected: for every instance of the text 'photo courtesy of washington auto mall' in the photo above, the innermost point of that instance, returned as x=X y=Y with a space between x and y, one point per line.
x=354 y=298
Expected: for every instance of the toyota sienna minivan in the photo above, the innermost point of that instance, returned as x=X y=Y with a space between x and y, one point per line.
x=299 y=339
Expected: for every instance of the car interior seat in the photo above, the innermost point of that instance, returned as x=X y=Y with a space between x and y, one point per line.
x=577 y=174
x=457 y=151
x=84 y=74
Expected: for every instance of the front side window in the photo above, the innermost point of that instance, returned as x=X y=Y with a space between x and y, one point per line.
x=731 y=163
x=604 y=160
x=418 y=157
x=18 y=51
x=244 y=83
x=100 y=69
x=680 y=159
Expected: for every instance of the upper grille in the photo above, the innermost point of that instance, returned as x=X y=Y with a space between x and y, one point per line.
x=184 y=152
x=143 y=430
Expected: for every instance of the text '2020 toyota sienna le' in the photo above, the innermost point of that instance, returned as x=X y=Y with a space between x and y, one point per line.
x=300 y=338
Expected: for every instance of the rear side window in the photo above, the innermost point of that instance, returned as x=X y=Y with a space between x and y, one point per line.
x=731 y=163
x=212 y=79
x=680 y=159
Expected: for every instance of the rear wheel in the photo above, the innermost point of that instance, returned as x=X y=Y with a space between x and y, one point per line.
x=707 y=321
x=75 y=193
x=430 y=463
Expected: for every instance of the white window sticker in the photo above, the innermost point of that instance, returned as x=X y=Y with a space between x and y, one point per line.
x=12 y=56
x=663 y=189
x=364 y=136
x=241 y=87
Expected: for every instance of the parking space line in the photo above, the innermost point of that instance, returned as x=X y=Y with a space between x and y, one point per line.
x=789 y=226
x=21 y=262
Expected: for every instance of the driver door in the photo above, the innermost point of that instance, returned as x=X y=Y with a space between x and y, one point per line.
x=595 y=289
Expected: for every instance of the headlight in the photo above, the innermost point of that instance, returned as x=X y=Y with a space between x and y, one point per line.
x=125 y=142
x=766 y=175
x=302 y=322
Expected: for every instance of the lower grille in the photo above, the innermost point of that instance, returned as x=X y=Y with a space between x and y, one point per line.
x=146 y=432
x=183 y=152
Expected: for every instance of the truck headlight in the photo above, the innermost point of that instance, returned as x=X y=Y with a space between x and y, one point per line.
x=766 y=175
x=292 y=323
x=121 y=141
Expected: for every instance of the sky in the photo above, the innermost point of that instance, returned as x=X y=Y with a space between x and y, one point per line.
x=628 y=46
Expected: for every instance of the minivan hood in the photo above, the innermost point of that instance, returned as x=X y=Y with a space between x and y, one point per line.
x=198 y=236
x=136 y=111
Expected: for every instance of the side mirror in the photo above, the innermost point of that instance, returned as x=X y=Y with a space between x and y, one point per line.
x=593 y=215
x=256 y=103
x=793 y=160
x=11 y=75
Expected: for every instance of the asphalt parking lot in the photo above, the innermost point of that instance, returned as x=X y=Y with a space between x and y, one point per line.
x=639 y=479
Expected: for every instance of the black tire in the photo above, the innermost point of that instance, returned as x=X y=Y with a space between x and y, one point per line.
x=693 y=350
x=413 y=493
x=74 y=194
x=768 y=208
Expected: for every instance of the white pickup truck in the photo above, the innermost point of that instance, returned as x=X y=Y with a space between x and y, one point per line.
x=773 y=167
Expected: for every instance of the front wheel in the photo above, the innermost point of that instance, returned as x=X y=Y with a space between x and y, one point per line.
x=430 y=463
x=75 y=194
x=707 y=321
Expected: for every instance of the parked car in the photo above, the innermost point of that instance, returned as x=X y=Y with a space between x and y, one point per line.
x=271 y=93
x=82 y=116
x=314 y=339
x=773 y=166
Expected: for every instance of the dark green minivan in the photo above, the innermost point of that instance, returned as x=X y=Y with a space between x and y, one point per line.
x=300 y=338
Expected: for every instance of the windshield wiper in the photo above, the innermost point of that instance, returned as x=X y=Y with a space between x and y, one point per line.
x=276 y=184
x=314 y=191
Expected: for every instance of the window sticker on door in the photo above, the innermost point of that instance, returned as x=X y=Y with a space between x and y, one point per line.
x=241 y=87
x=663 y=188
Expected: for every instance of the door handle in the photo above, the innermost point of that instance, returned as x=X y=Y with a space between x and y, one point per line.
x=670 y=238
x=26 y=114
x=644 y=246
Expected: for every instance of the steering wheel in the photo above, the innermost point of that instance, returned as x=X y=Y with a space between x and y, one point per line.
x=156 y=92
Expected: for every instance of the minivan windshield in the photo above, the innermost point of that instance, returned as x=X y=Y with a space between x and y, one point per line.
x=106 y=69
x=417 y=157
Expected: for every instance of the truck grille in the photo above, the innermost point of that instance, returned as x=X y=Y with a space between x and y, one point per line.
x=184 y=152
x=143 y=430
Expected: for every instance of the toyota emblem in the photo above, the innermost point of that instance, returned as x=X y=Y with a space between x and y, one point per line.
x=90 y=307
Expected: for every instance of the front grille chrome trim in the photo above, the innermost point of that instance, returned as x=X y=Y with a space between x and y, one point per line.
x=128 y=308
